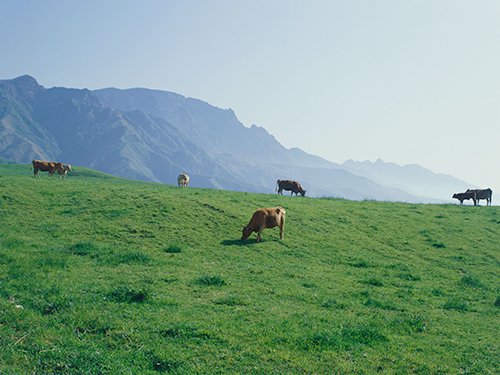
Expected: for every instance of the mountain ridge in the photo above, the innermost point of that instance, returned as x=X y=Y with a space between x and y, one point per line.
x=154 y=135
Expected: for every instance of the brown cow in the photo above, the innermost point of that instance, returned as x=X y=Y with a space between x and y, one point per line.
x=294 y=186
x=464 y=196
x=481 y=194
x=44 y=166
x=183 y=180
x=265 y=218
x=64 y=170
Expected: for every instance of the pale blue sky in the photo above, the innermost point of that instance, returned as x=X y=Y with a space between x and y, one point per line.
x=408 y=81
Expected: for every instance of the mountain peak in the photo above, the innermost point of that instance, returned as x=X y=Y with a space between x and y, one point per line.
x=27 y=79
x=21 y=87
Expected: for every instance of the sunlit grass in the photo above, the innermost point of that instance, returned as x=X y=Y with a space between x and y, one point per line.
x=105 y=275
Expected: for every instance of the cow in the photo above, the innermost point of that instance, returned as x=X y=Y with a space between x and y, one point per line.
x=294 y=186
x=44 y=166
x=64 y=170
x=481 y=194
x=464 y=196
x=265 y=218
x=183 y=180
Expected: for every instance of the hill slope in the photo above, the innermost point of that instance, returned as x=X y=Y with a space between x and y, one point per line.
x=106 y=275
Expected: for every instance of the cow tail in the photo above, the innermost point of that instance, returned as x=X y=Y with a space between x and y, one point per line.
x=275 y=190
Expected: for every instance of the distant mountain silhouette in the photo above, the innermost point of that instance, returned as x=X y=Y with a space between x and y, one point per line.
x=153 y=135
x=411 y=178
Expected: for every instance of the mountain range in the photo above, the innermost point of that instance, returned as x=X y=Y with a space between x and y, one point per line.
x=153 y=135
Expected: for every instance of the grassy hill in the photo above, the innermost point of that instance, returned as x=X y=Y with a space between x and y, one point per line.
x=105 y=275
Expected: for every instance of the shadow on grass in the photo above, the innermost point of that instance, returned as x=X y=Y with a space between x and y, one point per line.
x=236 y=243
x=246 y=242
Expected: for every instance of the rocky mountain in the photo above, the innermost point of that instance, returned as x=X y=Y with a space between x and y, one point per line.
x=218 y=130
x=74 y=127
x=154 y=135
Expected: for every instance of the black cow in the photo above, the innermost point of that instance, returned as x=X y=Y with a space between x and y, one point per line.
x=294 y=186
x=465 y=196
x=481 y=194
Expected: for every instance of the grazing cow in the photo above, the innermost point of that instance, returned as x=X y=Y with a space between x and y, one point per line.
x=183 y=180
x=481 y=194
x=464 y=196
x=44 y=166
x=265 y=218
x=294 y=186
x=64 y=170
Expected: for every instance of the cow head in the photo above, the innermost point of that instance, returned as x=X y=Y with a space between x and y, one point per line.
x=302 y=192
x=246 y=232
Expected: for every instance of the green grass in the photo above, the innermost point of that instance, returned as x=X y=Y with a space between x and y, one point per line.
x=101 y=275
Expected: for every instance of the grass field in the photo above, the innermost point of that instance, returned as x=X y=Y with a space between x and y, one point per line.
x=101 y=275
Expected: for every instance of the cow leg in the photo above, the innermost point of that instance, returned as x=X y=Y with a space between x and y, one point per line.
x=259 y=237
x=282 y=228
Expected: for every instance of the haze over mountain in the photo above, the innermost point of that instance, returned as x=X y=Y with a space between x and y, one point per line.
x=154 y=135
x=412 y=178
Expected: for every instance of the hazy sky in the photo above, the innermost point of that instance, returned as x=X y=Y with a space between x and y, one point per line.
x=407 y=81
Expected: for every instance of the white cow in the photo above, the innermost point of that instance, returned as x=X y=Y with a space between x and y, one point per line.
x=183 y=180
x=62 y=171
